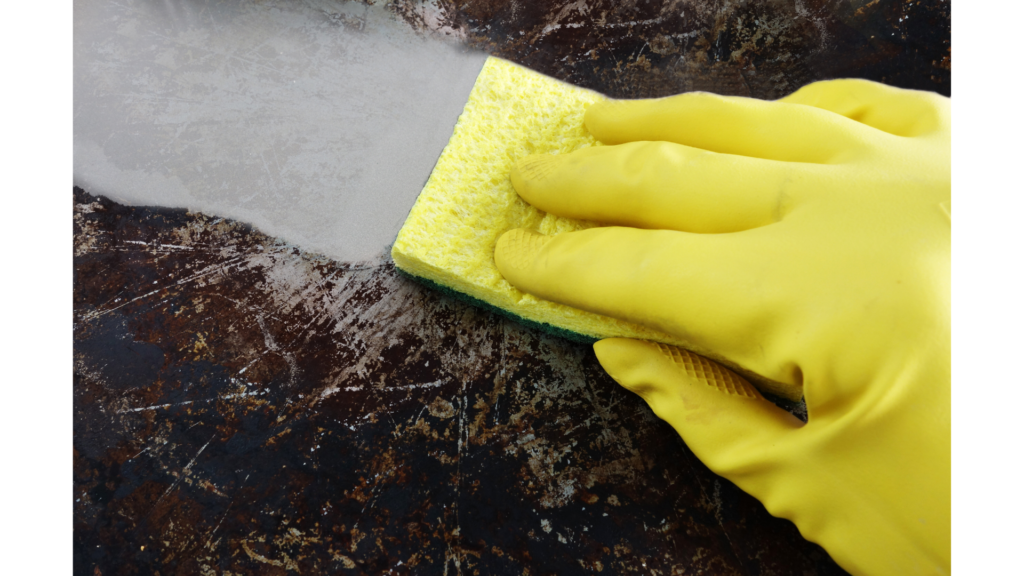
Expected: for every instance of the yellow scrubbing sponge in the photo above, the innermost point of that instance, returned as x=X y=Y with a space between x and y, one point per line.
x=449 y=237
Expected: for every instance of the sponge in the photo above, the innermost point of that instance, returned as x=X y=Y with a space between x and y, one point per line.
x=448 y=239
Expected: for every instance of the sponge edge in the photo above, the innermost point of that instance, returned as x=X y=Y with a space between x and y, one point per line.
x=468 y=202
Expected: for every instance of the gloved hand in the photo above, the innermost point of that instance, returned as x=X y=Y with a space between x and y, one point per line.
x=806 y=240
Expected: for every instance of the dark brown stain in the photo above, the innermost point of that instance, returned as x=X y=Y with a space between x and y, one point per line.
x=243 y=406
x=765 y=49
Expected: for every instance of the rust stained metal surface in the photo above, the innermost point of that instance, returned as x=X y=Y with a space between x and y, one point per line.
x=244 y=407
x=764 y=49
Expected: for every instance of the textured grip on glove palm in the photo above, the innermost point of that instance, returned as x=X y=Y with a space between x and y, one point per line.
x=703 y=371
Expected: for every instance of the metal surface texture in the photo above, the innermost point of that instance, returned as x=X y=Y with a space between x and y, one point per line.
x=246 y=405
x=763 y=49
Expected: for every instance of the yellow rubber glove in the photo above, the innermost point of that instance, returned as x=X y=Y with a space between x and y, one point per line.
x=806 y=240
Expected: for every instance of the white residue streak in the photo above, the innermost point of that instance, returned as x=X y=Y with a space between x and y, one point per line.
x=187 y=402
x=552 y=27
x=631 y=23
x=173 y=246
x=331 y=390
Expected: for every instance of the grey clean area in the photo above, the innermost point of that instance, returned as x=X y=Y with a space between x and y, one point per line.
x=316 y=121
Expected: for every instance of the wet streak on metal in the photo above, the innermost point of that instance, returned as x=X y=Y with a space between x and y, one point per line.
x=243 y=406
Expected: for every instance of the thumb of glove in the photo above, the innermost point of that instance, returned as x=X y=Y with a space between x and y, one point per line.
x=722 y=418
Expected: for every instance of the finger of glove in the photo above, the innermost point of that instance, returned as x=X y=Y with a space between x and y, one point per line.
x=720 y=416
x=663 y=185
x=729 y=125
x=894 y=110
x=716 y=291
